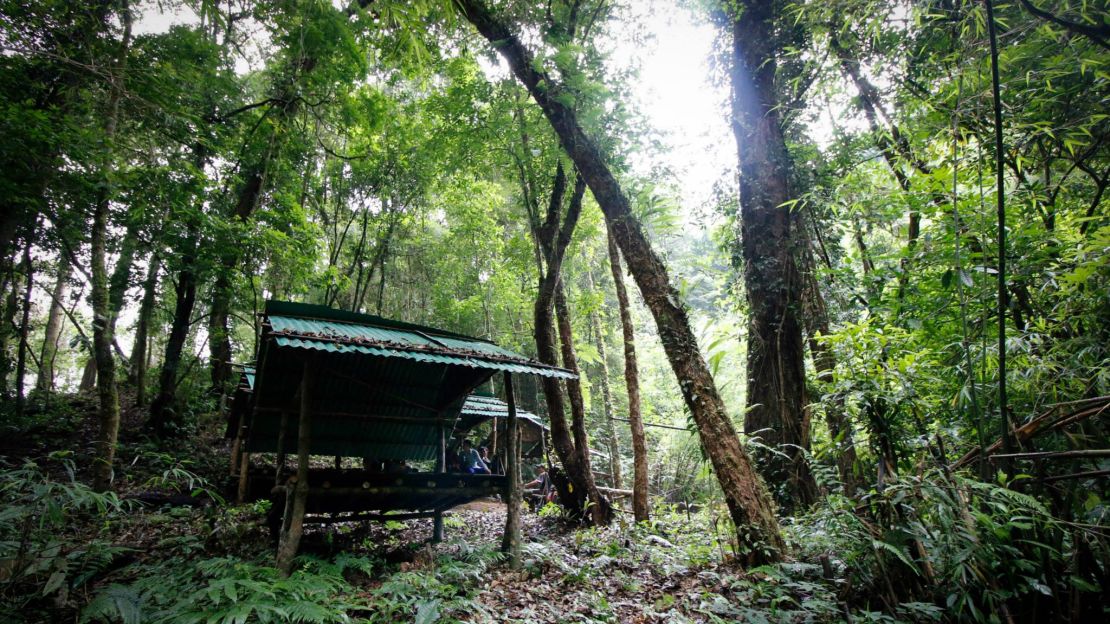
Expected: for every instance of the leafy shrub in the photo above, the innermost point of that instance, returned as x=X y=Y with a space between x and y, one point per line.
x=981 y=546
x=227 y=590
x=41 y=556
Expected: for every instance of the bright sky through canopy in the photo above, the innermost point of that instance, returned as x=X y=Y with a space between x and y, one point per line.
x=679 y=99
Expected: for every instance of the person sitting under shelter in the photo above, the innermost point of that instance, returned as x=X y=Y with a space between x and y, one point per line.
x=471 y=460
x=540 y=491
x=494 y=464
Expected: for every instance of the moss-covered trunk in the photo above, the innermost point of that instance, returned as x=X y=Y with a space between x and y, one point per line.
x=750 y=506
x=777 y=403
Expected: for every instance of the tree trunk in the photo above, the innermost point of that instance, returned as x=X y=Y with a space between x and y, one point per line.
x=293 y=526
x=599 y=509
x=510 y=544
x=640 y=509
x=117 y=290
x=750 y=507
x=24 y=327
x=88 y=373
x=777 y=403
x=137 y=377
x=7 y=322
x=219 y=335
x=54 y=320
x=10 y=219
x=893 y=146
x=569 y=442
x=247 y=201
x=816 y=317
x=162 y=412
x=607 y=399
x=101 y=296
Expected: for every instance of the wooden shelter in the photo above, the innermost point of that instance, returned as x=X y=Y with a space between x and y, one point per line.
x=345 y=385
x=480 y=409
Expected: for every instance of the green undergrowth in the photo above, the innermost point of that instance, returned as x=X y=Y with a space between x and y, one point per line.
x=681 y=567
x=343 y=588
x=932 y=547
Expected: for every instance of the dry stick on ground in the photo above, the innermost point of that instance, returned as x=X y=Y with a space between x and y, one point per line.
x=749 y=502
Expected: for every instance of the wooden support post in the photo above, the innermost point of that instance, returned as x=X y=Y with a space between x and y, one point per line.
x=293 y=526
x=239 y=443
x=441 y=467
x=511 y=541
x=283 y=428
x=493 y=443
x=543 y=448
x=441 y=458
x=244 y=470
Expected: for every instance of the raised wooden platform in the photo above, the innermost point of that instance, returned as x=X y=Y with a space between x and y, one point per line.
x=333 y=491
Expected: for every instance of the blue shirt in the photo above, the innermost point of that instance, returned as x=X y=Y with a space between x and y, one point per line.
x=471 y=459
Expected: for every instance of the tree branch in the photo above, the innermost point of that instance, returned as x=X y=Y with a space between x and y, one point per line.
x=1098 y=34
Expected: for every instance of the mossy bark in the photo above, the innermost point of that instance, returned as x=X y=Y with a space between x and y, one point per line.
x=750 y=505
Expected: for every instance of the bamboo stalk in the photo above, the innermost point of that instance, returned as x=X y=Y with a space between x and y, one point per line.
x=1055 y=454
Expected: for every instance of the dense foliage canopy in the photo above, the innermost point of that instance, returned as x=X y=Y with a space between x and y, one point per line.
x=880 y=351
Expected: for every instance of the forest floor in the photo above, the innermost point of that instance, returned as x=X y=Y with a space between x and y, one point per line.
x=99 y=559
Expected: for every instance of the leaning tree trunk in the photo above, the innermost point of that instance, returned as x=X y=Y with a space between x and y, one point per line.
x=750 y=507
x=102 y=315
x=777 y=405
x=219 y=335
x=162 y=413
x=55 y=318
x=632 y=383
x=247 y=201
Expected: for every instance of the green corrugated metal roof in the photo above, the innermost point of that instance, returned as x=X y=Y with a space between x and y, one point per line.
x=355 y=333
x=382 y=388
x=479 y=406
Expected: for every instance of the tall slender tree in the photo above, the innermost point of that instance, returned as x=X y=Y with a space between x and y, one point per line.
x=54 y=321
x=749 y=503
x=640 y=509
x=108 y=410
